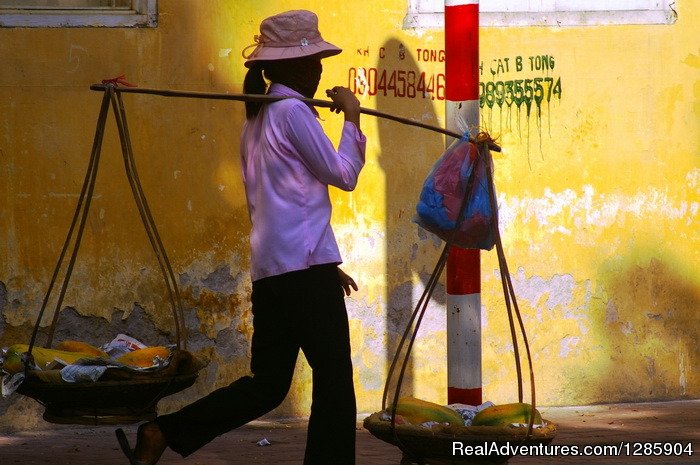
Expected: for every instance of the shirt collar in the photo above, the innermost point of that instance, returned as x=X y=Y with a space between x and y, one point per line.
x=280 y=89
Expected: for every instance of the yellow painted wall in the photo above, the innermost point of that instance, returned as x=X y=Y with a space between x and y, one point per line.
x=598 y=191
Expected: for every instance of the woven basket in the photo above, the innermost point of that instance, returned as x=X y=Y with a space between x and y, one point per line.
x=435 y=445
x=119 y=396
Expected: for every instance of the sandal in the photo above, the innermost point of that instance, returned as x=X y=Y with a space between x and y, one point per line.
x=126 y=448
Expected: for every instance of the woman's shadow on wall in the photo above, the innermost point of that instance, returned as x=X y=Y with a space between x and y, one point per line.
x=406 y=156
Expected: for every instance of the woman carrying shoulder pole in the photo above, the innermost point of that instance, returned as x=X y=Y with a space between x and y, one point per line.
x=288 y=163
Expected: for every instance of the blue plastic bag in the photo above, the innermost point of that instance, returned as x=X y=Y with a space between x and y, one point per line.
x=459 y=176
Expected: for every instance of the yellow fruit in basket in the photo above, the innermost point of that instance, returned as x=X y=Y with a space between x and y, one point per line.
x=417 y=411
x=43 y=357
x=505 y=414
x=79 y=346
x=144 y=358
x=12 y=363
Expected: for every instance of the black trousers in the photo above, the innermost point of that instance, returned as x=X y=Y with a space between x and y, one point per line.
x=297 y=310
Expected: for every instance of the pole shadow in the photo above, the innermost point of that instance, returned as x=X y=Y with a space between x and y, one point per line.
x=407 y=154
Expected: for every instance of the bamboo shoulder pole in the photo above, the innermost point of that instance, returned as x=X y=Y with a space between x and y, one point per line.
x=269 y=98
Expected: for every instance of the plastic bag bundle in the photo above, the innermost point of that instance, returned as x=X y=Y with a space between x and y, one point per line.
x=459 y=181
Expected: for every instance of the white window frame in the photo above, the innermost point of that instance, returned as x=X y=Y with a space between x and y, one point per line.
x=423 y=14
x=143 y=13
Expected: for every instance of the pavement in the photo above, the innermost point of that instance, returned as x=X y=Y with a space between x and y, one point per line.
x=658 y=433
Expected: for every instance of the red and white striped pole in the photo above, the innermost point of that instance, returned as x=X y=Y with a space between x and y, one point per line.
x=463 y=265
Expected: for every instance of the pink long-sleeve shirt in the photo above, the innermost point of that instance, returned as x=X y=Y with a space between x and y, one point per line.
x=288 y=163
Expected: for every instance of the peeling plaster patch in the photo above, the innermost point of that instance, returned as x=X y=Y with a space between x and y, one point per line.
x=224 y=52
x=556 y=298
x=611 y=313
x=210 y=66
x=95 y=330
x=383 y=323
x=559 y=291
x=402 y=302
x=141 y=325
x=362 y=240
x=585 y=207
x=187 y=282
x=98 y=330
x=568 y=343
x=434 y=319
x=199 y=274
x=370 y=318
x=196 y=340
x=231 y=343
x=627 y=328
x=185 y=279
x=217 y=297
x=220 y=280
x=372 y=342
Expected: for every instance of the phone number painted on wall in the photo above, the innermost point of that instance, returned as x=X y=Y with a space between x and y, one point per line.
x=396 y=83
x=519 y=92
x=421 y=84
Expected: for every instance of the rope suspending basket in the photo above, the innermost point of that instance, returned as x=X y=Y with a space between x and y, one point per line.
x=441 y=442
x=121 y=394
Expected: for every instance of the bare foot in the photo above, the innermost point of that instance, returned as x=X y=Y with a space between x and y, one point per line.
x=150 y=443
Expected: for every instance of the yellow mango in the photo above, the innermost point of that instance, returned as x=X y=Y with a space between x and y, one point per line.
x=417 y=411
x=144 y=358
x=505 y=414
x=82 y=347
x=43 y=357
x=12 y=363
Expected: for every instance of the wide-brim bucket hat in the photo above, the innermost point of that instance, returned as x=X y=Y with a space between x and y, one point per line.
x=288 y=35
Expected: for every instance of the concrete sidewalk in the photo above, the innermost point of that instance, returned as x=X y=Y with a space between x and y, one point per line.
x=663 y=422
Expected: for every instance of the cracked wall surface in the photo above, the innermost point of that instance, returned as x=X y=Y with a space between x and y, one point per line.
x=598 y=192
